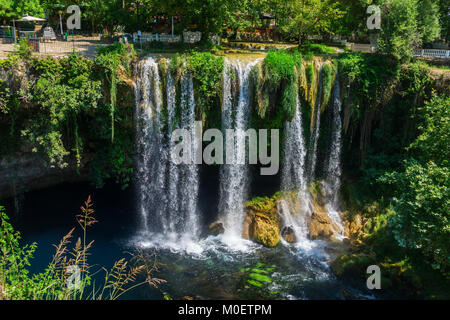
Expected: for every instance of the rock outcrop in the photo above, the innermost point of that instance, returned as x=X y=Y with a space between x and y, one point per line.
x=263 y=219
x=288 y=234
x=28 y=171
x=320 y=225
x=262 y=222
x=216 y=228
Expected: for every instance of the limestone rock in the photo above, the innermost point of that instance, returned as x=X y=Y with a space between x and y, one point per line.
x=262 y=223
x=320 y=225
x=216 y=228
x=354 y=227
x=288 y=234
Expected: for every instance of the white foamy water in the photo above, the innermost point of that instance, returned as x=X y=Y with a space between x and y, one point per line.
x=234 y=178
x=334 y=166
x=167 y=193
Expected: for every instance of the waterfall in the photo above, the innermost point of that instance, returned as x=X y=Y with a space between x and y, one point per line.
x=188 y=177
x=148 y=101
x=314 y=139
x=295 y=213
x=293 y=169
x=167 y=192
x=334 y=168
x=234 y=178
x=293 y=176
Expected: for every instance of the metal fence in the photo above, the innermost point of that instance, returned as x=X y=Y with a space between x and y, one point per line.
x=60 y=45
x=156 y=37
x=434 y=53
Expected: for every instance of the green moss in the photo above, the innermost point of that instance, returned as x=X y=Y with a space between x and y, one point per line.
x=207 y=70
x=310 y=74
x=279 y=67
x=260 y=277
x=289 y=98
x=328 y=75
x=255 y=283
x=259 y=270
x=311 y=89
x=261 y=100
x=268 y=232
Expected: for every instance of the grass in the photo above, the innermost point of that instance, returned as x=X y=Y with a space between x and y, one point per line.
x=316 y=48
x=68 y=276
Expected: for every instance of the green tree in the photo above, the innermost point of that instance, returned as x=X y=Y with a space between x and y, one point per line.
x=21 y=8
x=428 y=20
x=444 y=16
x=302 y=18
x=399 y=32
x=433 y=142
x=422 y=190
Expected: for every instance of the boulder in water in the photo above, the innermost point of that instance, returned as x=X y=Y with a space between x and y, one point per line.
x=320 y=225
x=288 y=234
x=262 y=223
x=216 y=228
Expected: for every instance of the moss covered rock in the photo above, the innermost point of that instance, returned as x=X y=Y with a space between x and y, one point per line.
x=216 y=228
x=262 y=223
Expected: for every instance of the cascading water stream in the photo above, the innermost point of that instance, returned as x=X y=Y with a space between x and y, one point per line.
x=334 y=168
x=234 y=178
x=167 y=192
x=146 y=107
x=295 y=213
x=188 y=176
x=314 y=139
x=293 y=176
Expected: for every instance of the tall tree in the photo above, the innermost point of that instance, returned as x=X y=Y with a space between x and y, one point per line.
x=399 y=32
x=305 y=17
x=428 y=20
x=13 y=9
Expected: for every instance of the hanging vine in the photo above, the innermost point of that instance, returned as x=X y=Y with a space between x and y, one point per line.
x=113 y=94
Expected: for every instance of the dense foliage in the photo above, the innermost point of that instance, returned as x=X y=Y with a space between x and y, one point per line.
x=70 y=106
x=76 y=112
x=404 y=22
x=207 y=72
x=422 y=188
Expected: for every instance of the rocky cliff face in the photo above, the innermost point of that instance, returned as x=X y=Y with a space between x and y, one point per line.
x=28 y=171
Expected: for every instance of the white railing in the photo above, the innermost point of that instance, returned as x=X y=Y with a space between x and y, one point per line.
x=156 y=37
x=437 y=53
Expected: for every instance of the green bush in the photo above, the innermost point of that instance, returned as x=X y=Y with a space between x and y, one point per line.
x=207 y=70
x=23 y=49
x=279 y=67
x=422 y=189
x=66 y=96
